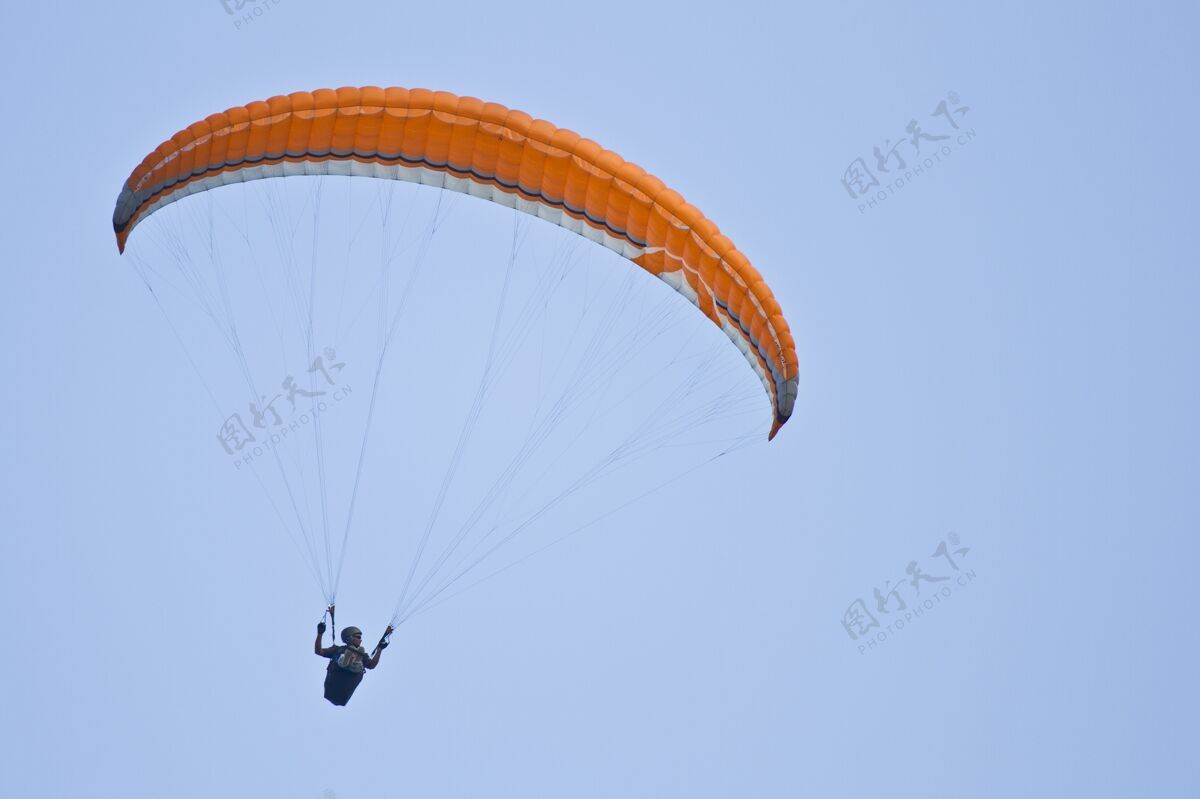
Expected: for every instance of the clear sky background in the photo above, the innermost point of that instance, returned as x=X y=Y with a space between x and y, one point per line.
x=1004 y=349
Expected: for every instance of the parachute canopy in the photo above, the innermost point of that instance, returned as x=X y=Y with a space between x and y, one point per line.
x=485 y=150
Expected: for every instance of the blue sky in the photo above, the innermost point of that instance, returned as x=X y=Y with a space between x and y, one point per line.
x=1004 y=349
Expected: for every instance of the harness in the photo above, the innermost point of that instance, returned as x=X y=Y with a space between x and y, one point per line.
x=341 y=652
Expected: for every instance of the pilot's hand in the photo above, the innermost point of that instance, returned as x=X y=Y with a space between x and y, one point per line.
x=320 y=628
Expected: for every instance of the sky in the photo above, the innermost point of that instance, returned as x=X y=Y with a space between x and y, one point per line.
x=996 y=425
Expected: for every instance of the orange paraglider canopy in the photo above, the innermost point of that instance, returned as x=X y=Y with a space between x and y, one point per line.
x=489 y=151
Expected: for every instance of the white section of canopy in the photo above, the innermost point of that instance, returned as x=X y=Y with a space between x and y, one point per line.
x=444 y=180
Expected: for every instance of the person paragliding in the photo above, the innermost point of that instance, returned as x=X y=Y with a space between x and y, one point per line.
x=347 y=663
x=333 y=139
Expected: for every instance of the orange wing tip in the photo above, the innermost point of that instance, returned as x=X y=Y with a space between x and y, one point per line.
x=774 y=429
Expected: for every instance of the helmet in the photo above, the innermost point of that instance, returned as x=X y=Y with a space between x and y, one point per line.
x=348 y=633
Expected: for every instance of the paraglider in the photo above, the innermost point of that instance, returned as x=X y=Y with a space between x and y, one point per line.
x=347 y=663
x=451 y=144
